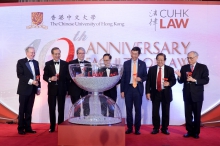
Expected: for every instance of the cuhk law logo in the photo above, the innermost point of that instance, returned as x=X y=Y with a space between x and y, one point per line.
x=37 y=21
x=169 y=19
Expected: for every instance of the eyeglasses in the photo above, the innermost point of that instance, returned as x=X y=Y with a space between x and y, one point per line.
x=160 y=60
x=106 y=60
x=191 y=58
x=56 y=54
x=81 y=53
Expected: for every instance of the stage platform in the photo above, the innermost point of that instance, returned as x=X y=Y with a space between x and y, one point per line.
x=209 y=136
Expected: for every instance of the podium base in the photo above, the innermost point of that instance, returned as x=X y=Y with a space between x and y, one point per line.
x=84 y=135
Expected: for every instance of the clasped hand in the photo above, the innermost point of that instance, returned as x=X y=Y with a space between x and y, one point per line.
x=53 y=78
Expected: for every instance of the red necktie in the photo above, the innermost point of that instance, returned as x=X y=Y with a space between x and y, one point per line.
x=159 y=80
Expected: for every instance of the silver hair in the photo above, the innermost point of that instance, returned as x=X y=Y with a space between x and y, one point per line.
x=26 y=49
x=195 y=53
x=80 y=48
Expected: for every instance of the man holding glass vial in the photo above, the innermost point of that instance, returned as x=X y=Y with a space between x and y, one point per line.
x=194 y=76
x=160 y=80
x=28 y=74
x=56 y=75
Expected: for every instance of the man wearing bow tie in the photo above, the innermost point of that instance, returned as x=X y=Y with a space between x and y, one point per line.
x=75 y=91
x=194 y=76
x=107 y=71
x=29 y=84
x=56 y=75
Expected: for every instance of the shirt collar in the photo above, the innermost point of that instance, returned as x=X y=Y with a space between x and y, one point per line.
x=193 y=65
x=56 y=61
x=132 y=61
x=80 y=60
x=29 y=59
x=162 y=67
x=108 y=67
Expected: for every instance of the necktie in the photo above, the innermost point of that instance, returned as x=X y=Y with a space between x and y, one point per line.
x=134 y=73
x=56 y=63
x=29 y=60
x=192 y=68
x=159 y=80
x=81 y=62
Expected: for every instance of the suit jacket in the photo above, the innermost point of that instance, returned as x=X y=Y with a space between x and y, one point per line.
x=141 y=72
x=112 y=93
x=196 y=90
x=24 y=74
x=73 y=88
x=152 y=79
x=49 y=71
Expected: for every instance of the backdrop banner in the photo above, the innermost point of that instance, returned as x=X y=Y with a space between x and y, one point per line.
x=173 y=29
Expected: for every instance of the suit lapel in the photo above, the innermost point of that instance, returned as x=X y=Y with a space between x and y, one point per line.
x=105 y=72
x=188 y=68
x=113 y=71
x=28 y=66
x=129 y=69
x=139 y=68
x=52 y=67
x=78 y=69
x=36 y=68
x=165 y=72
x=195 y=70
x=155 y=74
x=61 y=66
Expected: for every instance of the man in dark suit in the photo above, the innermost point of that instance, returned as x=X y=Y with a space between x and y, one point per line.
x=194 y=76
x=29 y=84
x=75 y=91
x=55 y=74
x=160 y=79
x=132 y=88
x=107 y=71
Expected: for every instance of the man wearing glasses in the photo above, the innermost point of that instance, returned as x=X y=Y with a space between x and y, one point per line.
x=107 y=71
x=75 y=91
x=160 y=80
x=194 y=76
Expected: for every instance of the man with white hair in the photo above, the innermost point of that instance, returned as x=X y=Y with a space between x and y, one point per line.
x=28 y=74
x=194 y=76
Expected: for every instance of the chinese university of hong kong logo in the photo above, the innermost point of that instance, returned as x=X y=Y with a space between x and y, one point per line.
x=37 y=19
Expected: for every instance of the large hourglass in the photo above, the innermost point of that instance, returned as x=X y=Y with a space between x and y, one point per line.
x=95 y=108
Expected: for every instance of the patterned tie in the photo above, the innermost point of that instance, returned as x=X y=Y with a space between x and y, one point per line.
x=159 y=80
x=192 y=68
x=134 y=73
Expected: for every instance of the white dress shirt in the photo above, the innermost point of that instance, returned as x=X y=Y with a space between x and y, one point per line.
x=108 y=72
x=57 y=67
x=81 y=65
x=30 y=82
